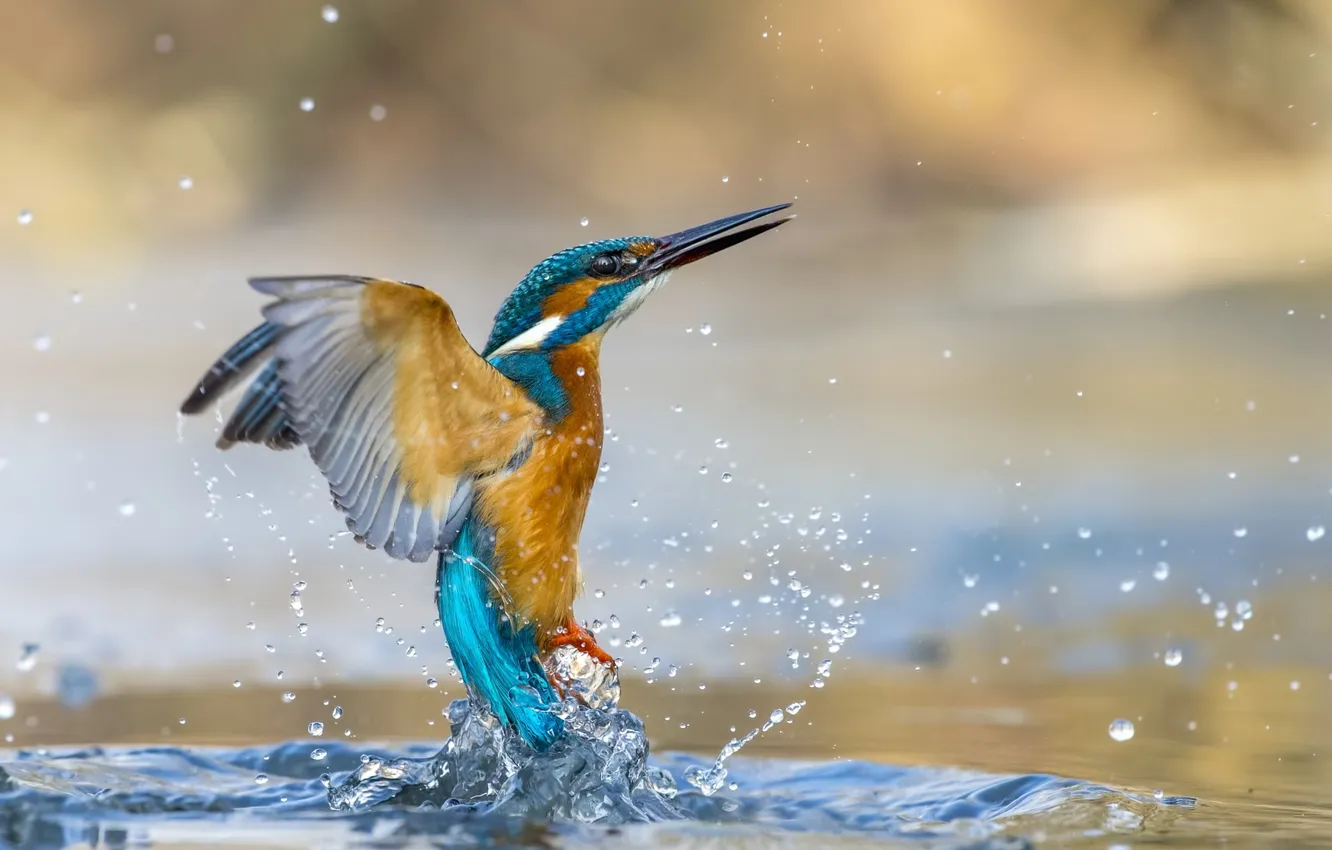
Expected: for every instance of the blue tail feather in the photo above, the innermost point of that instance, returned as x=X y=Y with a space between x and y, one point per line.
x=497 y=662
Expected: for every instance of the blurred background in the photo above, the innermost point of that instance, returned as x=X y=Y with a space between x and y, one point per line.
x=1025 y=416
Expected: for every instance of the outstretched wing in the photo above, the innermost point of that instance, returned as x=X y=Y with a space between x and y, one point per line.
x=396 y=408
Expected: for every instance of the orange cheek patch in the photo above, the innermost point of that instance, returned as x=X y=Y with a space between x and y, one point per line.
x=643 y=249
x=569 y=299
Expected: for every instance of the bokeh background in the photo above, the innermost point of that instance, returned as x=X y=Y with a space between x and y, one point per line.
x=1033 y=393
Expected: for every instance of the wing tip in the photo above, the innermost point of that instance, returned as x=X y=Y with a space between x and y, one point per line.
x=195 y=403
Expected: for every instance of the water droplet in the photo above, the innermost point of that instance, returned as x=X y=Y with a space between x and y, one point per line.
x=42 y=342
x=1121 y=730
x=671 y=620
x=1127 y=585
x=727 y=477
x=27 y=657
x=303 y=628
x=1315 y=532
x=329 y=14
x=836 y=600
x=288 y=697
x=187 y=182
x=261 y=779
x=726 y=180
x=705 y=329
x=775 y=717
x=25 y=217
x=315 y=728
x=1295 y=685
x=432 y=683
x=337 y=712
x=76 y=297
x=703 y=470
x=127 y=509
x=307 y=104
x=318 y=754
x=1241 y=532
x=1162 y=571
x=583 y=221
x=7 y=707
x=1173 y=657
x=164 y=43
x=378 y=112
x=1084 y=533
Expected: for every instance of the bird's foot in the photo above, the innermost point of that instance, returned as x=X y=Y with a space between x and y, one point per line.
x=581 y=639
x=594 y=684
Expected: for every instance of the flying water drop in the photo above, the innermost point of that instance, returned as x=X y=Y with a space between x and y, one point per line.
x=28 y=657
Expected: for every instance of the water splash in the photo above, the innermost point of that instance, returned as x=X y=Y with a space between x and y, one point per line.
x=597 y=772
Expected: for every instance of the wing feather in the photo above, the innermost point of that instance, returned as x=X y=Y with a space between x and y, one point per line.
x=398 y=411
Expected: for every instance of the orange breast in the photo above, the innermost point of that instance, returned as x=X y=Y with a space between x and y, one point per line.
x=537 y=511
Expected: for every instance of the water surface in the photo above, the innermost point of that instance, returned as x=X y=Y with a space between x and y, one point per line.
x=938 y=764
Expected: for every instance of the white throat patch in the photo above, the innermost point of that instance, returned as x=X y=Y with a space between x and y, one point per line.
x=635 y=299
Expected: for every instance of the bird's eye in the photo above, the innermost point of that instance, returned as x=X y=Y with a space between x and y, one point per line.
x=605 y=265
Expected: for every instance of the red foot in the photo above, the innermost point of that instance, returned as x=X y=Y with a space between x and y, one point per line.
x=580 y=638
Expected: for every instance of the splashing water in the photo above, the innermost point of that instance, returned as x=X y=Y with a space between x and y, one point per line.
x=597 y=772
x=709 y=780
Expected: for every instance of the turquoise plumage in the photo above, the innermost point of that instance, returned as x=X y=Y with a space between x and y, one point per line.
x=497 y=660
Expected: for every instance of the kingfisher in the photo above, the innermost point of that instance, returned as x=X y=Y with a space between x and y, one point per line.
x=483 y=461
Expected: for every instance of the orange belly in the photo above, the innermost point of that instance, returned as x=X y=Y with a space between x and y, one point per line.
x=536 y=511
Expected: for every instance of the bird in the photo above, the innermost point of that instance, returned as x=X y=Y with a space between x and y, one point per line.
x=484 y=461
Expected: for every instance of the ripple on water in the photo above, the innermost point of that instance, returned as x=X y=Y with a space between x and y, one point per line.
x=485 y=783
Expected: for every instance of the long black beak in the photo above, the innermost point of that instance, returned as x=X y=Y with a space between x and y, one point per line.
x=683 y=248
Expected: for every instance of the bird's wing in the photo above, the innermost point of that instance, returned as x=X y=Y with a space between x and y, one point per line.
x=398 y=411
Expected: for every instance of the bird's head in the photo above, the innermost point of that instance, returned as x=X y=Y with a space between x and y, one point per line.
x=587 y=289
